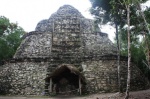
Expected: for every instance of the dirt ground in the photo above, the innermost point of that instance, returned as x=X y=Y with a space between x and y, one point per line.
x=144 y=94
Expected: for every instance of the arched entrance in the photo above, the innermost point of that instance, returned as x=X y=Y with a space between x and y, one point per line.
x=65 y=79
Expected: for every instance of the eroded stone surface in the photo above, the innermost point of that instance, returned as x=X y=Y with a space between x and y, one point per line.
x=48 y=47
x=67 y=17
x=36 y=45
x=102 y=76
x=23 y=78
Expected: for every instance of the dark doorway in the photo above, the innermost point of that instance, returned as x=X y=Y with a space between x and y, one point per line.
x=66 y=80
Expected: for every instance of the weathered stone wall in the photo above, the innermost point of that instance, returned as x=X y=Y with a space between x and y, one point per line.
x=96 y=44
x=102 y=76
x=66 y=10
x=28 y=77
x=66 y=23
x=35 y=45
x=23 y=78
x=65 y=38
x=39 y=44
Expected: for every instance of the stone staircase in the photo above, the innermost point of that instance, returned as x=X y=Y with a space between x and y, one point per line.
x=66 y=43
x=66 y=40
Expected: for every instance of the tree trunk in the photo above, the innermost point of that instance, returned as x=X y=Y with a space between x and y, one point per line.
x=118 y=57
x=146 y=34
x=129 y=53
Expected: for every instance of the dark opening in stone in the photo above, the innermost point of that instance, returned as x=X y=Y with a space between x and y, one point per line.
x=65 y=79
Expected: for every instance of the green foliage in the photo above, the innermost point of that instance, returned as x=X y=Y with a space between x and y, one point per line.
x=115 y=12
x=137 y=49
x=147 y=14
x=4 y=23
x=10 y=38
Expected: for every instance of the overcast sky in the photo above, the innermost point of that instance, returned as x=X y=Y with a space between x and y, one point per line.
x=27 y=13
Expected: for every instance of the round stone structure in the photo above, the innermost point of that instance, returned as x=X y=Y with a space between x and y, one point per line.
x=64 y=55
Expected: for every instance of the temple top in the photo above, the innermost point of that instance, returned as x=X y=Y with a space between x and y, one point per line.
x=62 y=12
x=65 y=28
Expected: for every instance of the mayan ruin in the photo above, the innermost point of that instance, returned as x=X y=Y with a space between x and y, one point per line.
x=66 y=55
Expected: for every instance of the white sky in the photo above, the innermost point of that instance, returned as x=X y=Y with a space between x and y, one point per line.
x=27 y=13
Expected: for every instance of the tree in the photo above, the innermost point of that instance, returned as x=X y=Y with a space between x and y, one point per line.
x=129 y=49
x=4 y=23
x=10 y=38
x=139 y=45
x=126 y=13
x=128 y=4
x=109 y=13
x=146 y=37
